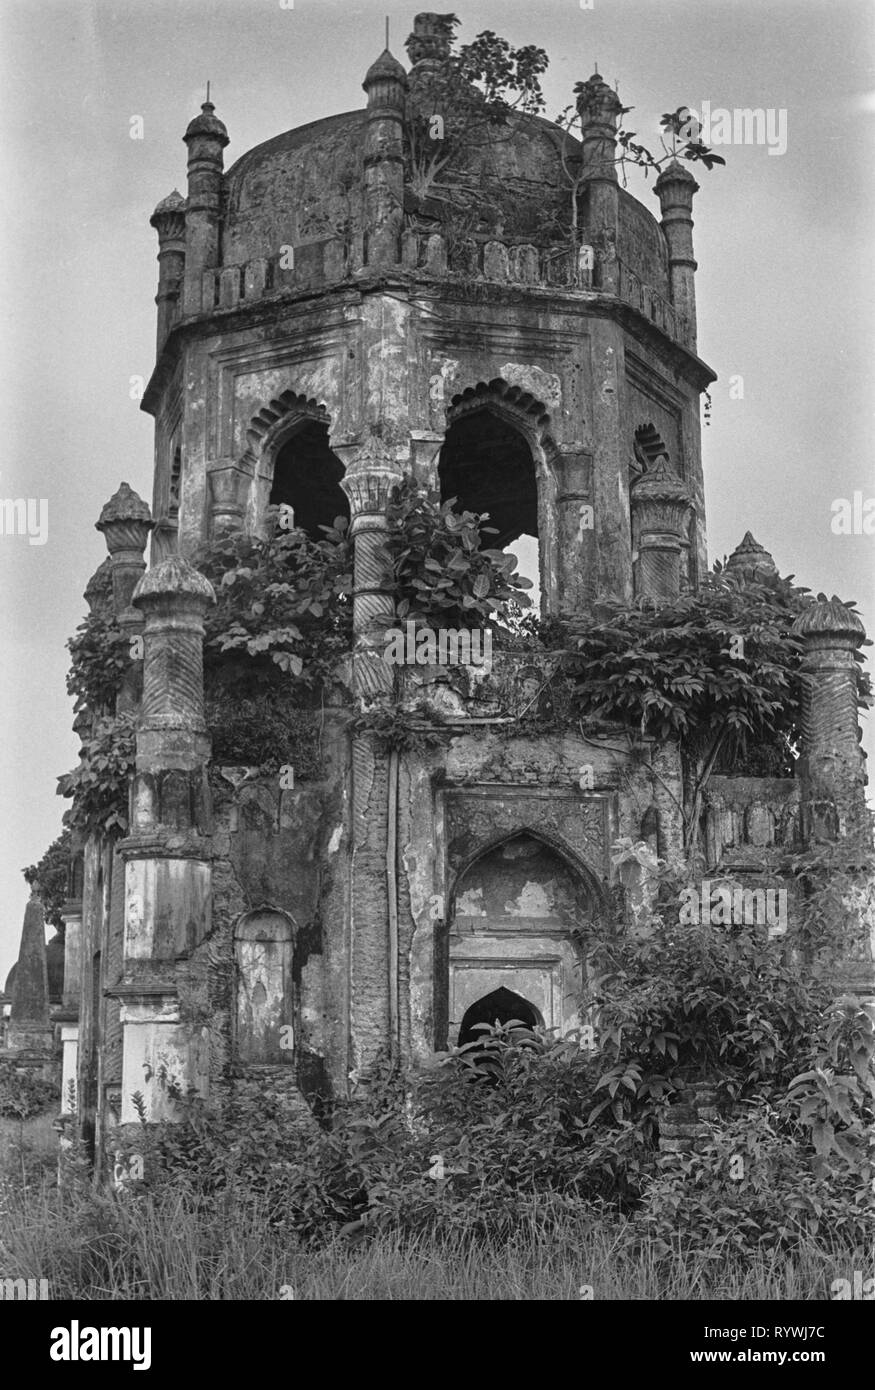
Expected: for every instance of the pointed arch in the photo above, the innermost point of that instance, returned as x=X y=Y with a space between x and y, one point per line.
x=573 y=861
x=515 y=916
x=289 y=459
x=499 y=456
x=264 y=941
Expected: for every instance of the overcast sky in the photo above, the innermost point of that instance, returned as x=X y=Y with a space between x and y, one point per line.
x=785 y=281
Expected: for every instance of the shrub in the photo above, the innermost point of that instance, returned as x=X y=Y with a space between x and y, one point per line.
x=24 y=1095
x=99 y=785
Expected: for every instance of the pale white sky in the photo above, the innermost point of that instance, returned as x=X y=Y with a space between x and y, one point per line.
x=785 y=283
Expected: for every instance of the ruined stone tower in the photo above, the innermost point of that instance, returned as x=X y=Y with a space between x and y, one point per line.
x=323 y=329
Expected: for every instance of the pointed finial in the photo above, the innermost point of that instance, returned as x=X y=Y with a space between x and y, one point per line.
x=387 y=31
x=208 y=91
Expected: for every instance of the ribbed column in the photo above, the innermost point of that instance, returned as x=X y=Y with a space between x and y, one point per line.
x=206 y=138
x=599 y=109
x=126 y=522
x=386 y=86
x=660 y=504
x=168 y=219
x=675 y=188
x=167 y=853
x=368 y=484
x=833 y=774
x=833 y=761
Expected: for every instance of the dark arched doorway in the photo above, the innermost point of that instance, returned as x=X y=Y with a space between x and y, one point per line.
x=306 y=476
x=499 y=1006
x=487 y=465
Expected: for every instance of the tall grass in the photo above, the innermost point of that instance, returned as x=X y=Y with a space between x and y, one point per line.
x=97 y=1245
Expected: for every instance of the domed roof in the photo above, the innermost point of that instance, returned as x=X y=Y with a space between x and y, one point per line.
x=174 y=202
x=306 y=186
x=10 y=981
x=386 y=65
x=829 y=616
x=207 y=124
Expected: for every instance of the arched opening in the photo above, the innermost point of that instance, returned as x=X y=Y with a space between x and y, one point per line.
x=513 y=938
x=306 y=477
x=500 y=1006
x=487 y=465
x=263 y=946
x=647 y=447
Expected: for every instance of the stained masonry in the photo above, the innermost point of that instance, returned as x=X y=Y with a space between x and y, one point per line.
x=250 y=934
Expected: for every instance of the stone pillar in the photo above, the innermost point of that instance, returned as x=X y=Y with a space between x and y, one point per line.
x=30 y=1030
x=167 y=853
x=386 y=86
x=367 y=484
x=599 y=109
x=833 y=772
x=833 y=761
x=168 y=219
x=610 y=471
x=68 y=1017
x=575 y=518
x=206 y=138
x=126 y=522
x=660 y=504
x=675 y=188
x=228 y=488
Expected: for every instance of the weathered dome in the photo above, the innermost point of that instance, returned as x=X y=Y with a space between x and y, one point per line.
x=386 y=66
x=174 y=202
x=207 y=124
x=306 y=187
x=829 y=617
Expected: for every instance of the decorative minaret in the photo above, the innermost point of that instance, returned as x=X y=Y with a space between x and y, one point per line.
x=599 y=109
x=660 y=507
x=833 y=771
x=206 y=138
x=168 y=219
x=386 y=87
x=167 y=852
x=675 y=188
x=833 y=762
x=126 y=522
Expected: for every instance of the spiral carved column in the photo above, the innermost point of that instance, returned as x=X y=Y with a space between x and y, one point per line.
x=368 y=485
